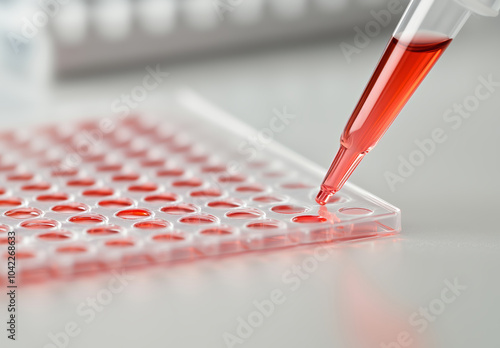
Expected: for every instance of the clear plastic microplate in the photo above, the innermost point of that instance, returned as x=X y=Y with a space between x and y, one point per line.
x=175 y=183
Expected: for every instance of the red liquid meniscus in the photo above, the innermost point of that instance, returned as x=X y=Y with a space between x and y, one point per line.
x=400 y=71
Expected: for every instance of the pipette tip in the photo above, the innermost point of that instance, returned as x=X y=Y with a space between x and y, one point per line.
x=323 y=196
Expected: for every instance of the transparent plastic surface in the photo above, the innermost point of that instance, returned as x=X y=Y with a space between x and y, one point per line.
x=165 y=185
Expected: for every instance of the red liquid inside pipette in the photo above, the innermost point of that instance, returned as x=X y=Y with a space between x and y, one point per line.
x=400 y=70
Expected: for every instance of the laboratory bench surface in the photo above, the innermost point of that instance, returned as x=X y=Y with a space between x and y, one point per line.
x=435 y=284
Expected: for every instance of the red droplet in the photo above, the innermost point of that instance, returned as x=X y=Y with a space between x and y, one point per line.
x=133 y=214
x=245 y=214
x=4 y=228
x=65 y=172
x=126 y=177
x=179 y=209
x=170 y=172
x=20 y=177
x=214 y=169
x=2 y=190
x=309 y=219
x=39 y=224
x=289 y=209
x=10 y=202
x=144 y=187
x=110 y=167
x=104 y=230
x=224 y=204
x=198 y=219
x=23 y=213
x=39 y=186
x=268 y=199
x=231 y=178
x=72 y=249
x=120 y=243
x=206 y=193
x=193 y=182
x=250 y=188
x=161 y=198
x=217 y=231
x=98 y=192
x=81 y=182
x=152 y=224
x=153 y=162
x=265 y=224
x=71 y=207
x=295 y=186
x=87 y=219
x=53 y=197
x=55 y=236
x=355 y=211
x=116 y=203
x=168 y=237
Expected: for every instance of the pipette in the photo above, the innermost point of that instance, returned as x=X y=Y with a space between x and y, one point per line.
x=423 y=33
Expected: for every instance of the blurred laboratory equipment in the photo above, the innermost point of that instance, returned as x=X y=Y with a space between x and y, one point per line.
x=92 y=35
